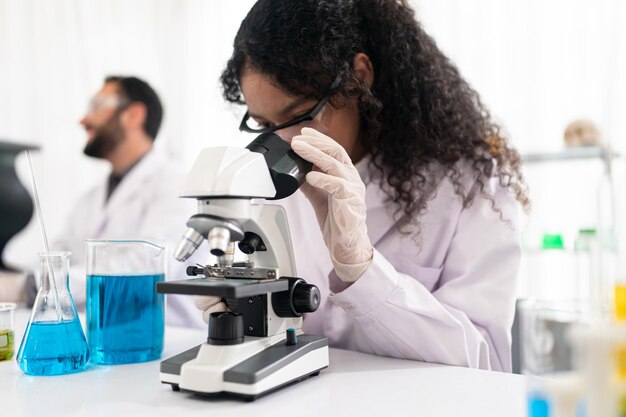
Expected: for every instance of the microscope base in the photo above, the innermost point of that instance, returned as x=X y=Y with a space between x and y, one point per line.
x=248 y=370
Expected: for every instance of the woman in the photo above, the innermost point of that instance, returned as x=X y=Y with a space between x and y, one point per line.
x=414 y=188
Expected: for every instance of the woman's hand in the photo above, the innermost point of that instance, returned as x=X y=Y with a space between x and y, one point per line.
x=209 y=304
x=337 y=195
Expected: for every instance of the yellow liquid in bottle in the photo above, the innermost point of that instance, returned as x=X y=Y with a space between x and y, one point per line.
x=620 y=302
x=620 y=316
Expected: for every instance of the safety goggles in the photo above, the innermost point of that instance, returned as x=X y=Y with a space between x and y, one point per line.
x=99 y=103
x=248 y=124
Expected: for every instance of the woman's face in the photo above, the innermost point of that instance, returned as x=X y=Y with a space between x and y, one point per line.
x=270 y=106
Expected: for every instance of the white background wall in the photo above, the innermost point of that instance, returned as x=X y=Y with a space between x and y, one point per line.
x=538 y=65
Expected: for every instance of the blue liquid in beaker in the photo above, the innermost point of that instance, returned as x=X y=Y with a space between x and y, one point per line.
x=125 y=318
x=54 y=348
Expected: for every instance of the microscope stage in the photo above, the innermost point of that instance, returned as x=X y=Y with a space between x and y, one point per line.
x=224 y=288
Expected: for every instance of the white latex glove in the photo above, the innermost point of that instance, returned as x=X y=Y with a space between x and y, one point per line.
x=209 y=304
x=337 y=195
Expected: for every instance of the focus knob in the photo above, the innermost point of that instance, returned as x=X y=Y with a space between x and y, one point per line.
x=306 y=298
x=225 y=328
x=300 y=298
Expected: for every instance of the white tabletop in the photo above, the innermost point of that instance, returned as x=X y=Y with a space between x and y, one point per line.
x=354 y=384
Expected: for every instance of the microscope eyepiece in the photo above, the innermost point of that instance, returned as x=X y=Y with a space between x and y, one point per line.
x=288 y=169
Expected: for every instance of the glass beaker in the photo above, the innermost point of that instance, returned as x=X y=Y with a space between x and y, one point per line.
x=544 y=326
x=6 y=331
x=54 y=342
x=125 y=315
x=546 y=356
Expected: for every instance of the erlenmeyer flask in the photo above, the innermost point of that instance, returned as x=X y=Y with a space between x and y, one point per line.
x=54 y=342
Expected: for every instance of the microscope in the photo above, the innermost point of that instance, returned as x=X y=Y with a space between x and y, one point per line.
x=258 y=346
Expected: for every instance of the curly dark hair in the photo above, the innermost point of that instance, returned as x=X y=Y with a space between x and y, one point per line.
x=419 y=109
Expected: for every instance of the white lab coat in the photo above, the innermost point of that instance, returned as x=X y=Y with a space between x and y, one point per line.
x=449 y=301
x=145 y=205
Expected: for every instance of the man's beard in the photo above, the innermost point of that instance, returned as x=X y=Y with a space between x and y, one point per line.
x=106 y=140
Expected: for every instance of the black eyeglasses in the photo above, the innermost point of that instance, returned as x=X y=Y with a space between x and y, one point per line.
x=310 y=115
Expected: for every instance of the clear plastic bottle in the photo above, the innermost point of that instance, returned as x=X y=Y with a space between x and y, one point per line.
x=54 y=342
x=555 y=278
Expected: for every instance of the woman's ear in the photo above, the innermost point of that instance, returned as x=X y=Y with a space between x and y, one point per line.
x=363 y=69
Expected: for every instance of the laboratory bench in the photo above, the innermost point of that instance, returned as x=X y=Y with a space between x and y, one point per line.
x=354 y=384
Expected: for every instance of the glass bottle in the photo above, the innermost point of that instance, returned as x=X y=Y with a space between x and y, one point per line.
x=54 y=342
x=7 y=324
x=605 y=283
x=587 y=251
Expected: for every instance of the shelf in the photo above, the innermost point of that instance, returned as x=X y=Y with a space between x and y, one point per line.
x=589 y=152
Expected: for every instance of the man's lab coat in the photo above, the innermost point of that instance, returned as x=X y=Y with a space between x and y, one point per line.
x=145 y=205
x=447 y=298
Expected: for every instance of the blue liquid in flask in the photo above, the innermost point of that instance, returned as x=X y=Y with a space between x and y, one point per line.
x=53 y=348
x=125 y=318
x=538 y=406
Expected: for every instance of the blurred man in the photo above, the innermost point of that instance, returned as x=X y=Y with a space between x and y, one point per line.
x=138 y=200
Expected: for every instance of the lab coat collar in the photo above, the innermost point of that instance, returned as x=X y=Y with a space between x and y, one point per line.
x=363 y=168
x=133 y=181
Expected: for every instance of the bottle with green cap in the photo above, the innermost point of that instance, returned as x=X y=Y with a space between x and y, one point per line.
x=546 y=316
x=554 y=280
x=552 y=241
